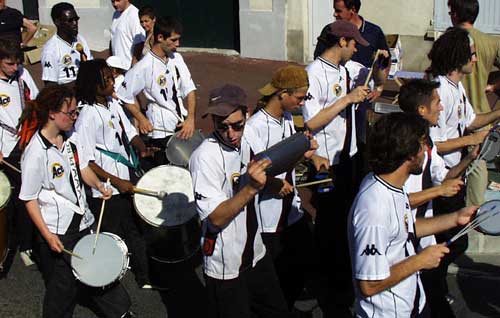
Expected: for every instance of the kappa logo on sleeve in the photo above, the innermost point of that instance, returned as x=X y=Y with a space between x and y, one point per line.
x=124 y=84
x=308 y=96
x=47 y=65
x=370 y=250
x=199 y=196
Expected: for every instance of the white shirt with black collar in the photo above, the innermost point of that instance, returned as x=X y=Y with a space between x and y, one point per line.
x=456 y=116
x=165 y=84
x=328 y=83
x=61 y=60
x=11 y=107
x=218 y=173
x=104 y=126
x=272 y=208
x=46 y=177
x=381 y=232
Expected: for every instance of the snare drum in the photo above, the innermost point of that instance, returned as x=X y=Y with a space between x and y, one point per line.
x=491 y=224
x=5 y=193
x=172 y=229
x=108 y=264
x=179 y=151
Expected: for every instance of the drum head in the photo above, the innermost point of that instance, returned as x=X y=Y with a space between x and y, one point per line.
x=490 y=212
x=103 y=267
x=491 y=146
x=179 y=151
x=5 y=190
x=177 y=207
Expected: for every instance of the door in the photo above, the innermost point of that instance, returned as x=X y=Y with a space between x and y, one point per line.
x=320 y=14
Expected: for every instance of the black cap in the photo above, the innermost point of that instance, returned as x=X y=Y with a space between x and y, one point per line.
x=225 y=100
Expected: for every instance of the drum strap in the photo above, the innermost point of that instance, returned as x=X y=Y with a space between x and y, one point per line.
x=75 y=178
x=121 y=159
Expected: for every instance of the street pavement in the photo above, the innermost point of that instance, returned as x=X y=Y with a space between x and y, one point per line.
x=475 y=283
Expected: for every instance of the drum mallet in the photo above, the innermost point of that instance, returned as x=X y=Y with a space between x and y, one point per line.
x=71 y=253
x=303 y=185
x=158 y=194
x=371 y=69
x=100 y=219
x=164 y=130
x=11 y=166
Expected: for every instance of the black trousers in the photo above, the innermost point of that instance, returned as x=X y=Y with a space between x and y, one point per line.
x=435 y=284
x=336 y=293
x=64 y=291
x=292 y=252
x=255 y=293
x=20 y=226
x=119 y=219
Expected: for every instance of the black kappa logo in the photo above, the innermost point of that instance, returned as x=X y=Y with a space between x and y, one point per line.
x=199 y=196
x=370 y=250
x=47 y=64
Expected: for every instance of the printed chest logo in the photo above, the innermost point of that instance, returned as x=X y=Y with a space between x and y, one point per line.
x=57 y=170
x=370 y=250
x=235 y=182
x=459 y=111
x=406 y=222
x=67 y=60
x=162 y=80
x=111 y=125
x=4 y=100
x=337 y=89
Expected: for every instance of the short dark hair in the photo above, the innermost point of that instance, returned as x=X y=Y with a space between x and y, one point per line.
x=465 y=10
x=147 y=10
x=395 y=138
x=166 y=25
x=59 y=8
x=90 y=77
x=415 y=93
x=352 y=4
x=450 y=51
x=9 y=49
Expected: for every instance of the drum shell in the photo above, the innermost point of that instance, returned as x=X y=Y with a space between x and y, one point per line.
x=173 y=244
x=178 y=151
x=285 y=154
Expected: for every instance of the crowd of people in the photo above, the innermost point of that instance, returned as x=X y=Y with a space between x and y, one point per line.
x=378 y=243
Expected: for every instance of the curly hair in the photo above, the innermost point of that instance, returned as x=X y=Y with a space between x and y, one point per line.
x=450 y=52
x=36 y=113
x=415 y=93
x=394 y=139
x=90 y=77
x=464 y=10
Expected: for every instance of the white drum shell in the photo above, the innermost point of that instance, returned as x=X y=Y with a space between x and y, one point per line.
x=5 y=190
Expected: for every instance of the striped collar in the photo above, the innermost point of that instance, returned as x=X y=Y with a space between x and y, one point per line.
x=328 y=63
x=451 y=82
x=388 y=185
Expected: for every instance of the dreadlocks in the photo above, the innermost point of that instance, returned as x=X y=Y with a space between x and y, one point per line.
x=450 y=52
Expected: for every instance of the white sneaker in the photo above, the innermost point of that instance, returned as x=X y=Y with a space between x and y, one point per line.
x=26 y=258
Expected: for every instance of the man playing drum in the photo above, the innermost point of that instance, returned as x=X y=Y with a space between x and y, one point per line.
x=382 y=229
x=16 y=87
x=109 y=140
x=240 y=277
x=165 y=80
x=52 y=187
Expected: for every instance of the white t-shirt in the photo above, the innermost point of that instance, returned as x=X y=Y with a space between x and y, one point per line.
x=11 y=108
x=438 y=172
x=273 y=208
x=102 y=127
x=218 y=173
x=126 y=31
x=165 y=84
x=457 y=114
x=327 y=83
x=379 y=228
x=46 y=177
x=61 y=60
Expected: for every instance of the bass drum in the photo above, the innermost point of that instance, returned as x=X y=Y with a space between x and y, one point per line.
x=172 y=230
x=5 y=193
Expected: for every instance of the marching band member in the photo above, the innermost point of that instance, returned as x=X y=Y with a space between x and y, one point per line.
x=16 y=87
x=63 y=53
x=108 y=139
x=52 y=187
x=166 y=81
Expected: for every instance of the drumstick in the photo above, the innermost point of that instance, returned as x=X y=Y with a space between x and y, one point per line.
x=100 y=220
x=11 y=166
x=472 y=225
x=71 y=253
x=164 y=130
x=371 y=69
x=159 y=194
x=302 y=185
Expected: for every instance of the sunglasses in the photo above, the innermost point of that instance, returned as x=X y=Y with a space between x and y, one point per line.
x=238 y=126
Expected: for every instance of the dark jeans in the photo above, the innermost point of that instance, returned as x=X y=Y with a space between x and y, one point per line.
x=118 y=219
x=292 y=252
x=20 y=226
x=336 y=294
x=63 y=290
x=255 y=293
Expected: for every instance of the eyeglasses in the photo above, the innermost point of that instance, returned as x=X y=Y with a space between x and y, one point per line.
x=72 y=114
x=237 y=126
